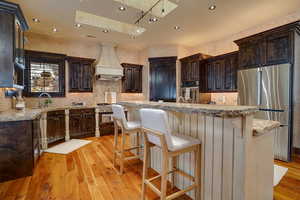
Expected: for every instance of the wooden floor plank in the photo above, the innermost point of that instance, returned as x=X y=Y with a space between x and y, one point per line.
x=88 y=174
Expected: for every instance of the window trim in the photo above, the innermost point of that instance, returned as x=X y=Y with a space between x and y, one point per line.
x=37 y=56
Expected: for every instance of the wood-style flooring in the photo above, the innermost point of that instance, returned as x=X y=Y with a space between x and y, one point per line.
x=88 y=174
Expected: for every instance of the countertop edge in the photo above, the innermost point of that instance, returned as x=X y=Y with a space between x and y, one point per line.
x=186 y=109
x=261 y=127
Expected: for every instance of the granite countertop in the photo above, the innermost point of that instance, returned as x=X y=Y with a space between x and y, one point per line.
x=261 y=126
x=33 y=113
x=219 y=110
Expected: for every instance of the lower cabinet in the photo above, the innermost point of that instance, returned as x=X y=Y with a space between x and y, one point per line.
x=56 y=126
x=82 y=123
x=19 y=148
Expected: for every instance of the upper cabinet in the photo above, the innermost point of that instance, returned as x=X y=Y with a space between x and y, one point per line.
x=267 y=48
x=190 y=71
x=219 y=74
x=12 y=62
x=132 y=79
x=81 y=73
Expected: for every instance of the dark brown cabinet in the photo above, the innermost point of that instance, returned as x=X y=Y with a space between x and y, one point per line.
x=12 y=64
x=19 y=148
x=56 y=128
x=219 y=74
x=190 y=68
x=80 y=74
x=132 y=80
x=82 y=123
x=267 y=48
x=163 y=79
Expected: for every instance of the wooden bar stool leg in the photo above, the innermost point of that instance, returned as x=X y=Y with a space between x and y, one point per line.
x=174 y=165
x=164 y=176
x=115 y=143
x=122 y=153
x=197 y=172
x=138 y=144
x=145 y=168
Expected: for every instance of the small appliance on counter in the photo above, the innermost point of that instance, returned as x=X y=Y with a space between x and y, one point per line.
x=190 y=91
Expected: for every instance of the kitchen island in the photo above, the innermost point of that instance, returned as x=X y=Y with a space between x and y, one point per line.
x=236 y=153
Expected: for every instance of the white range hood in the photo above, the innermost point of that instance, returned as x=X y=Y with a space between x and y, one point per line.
x=108 y=66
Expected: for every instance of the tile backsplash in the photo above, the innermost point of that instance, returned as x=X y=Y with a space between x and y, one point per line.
x=225 y=98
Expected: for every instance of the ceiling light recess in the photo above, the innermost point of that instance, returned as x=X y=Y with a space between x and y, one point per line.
x=153 y=19
x=122 y=8
x=105 y=31
x=176 y=27
x=77 y=25
x=212 y=7
x=36 y=20
x=146 y=5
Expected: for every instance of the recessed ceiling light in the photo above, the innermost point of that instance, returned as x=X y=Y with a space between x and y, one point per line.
x=54 y=30
x=78 y=25
x=36 y=20
x=105 y=31
x=153 y=19
x=122 y=8
x=176 y=27
x=212 y=7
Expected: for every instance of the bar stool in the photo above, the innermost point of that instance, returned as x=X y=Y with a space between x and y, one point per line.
x=127 y=128
x=156 y=130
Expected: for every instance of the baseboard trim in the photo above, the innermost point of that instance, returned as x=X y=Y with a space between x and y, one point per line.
x=296 y=150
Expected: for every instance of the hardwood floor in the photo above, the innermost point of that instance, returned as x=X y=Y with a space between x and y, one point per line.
x=85 y=174
x=88 y=174
x=289 y=187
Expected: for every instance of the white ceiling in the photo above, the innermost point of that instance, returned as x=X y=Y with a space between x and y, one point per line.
x=198 y=24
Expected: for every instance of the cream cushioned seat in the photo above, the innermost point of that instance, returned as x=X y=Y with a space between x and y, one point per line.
x=157 y=120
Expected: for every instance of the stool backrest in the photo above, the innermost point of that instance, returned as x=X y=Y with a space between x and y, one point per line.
x=119 y=115
x=156 y=120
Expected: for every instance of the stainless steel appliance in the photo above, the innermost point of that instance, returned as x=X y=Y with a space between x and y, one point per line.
x=269 y=88
x=190 y=92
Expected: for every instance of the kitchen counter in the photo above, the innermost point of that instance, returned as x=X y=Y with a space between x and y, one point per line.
x=30 y=114
x=219 y=110
x=234 y=157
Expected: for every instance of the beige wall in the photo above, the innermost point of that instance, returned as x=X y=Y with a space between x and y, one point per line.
x=81 y=49
x=5 y=103
x=227 y=45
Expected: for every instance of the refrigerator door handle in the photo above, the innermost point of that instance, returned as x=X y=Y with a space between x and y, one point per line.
x=259 y=77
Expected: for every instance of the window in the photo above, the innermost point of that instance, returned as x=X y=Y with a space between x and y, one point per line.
x=45 y=72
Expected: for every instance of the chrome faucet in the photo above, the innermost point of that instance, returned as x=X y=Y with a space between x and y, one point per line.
x=47 y=102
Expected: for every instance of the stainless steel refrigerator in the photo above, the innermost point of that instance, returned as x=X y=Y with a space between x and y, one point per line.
x=269 y=88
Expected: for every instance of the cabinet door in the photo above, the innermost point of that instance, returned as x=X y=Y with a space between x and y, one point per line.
x=202 y=77
x=278 y=48
x=210 y=83
x=251 y=54
x=86 y=78
x=132 y=80
x=88 y=124
x=55 y=126
x=137 y=79
x=218 y=74
x=16 y=150
x=75 y=121
x=194 y=72
x=74 y=76
x=184 y=71
x=230 y=77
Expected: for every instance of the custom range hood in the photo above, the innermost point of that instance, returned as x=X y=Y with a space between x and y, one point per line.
x=108 y=66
